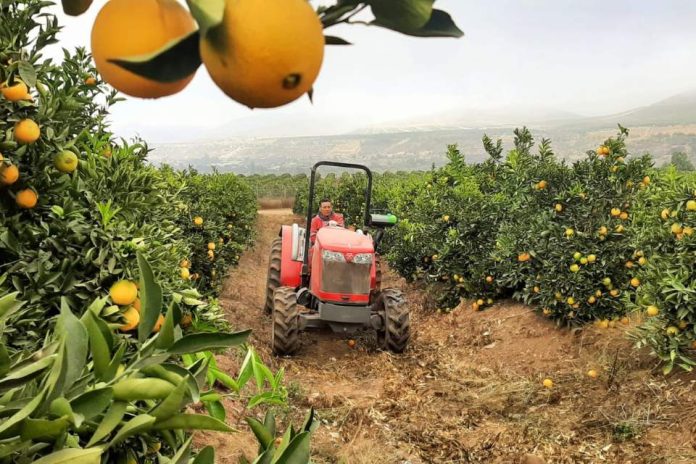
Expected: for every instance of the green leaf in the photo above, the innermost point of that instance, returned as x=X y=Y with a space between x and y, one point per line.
x=176 y=60
x=9 y=305
x=99 y=345
x=165 y=339
x=297 y=451
x=23 y=413
x=5 y=360
x=333 y=40
x=77 y=343
x=440 y=24
x=263 y=434
x=73 y=456
x=269 y=422
x=92 y=403
x=216 y=409
x=150 y=297
x=205 y=456
x=208 y=341
x=115 y=362
x=310 y=424
x=43 y=430
x=193 y=422
x=171 y=404
x=133 y=389
x=110 y=421
x=27 y=73
x=182 y=454
x=132 y=427
x=25 y=372
x=75 y=7
x=402 y=14
x=207 y=13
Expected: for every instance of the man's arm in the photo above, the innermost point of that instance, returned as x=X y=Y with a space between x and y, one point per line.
x=339 y=219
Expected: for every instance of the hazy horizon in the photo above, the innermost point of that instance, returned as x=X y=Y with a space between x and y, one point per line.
x=594 y=58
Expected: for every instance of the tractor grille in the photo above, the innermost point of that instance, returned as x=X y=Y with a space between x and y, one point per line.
x=346 y=278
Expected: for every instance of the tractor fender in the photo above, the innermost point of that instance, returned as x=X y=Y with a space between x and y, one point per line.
x=290 y=270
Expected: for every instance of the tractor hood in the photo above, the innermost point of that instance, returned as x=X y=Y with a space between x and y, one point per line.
x=344 y=240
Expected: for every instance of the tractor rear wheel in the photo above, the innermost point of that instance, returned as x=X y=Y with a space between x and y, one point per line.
x=392 y=306
x=273 y=279
x=286 y=322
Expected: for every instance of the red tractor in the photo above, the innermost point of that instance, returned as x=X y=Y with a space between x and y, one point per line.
x=334 y=282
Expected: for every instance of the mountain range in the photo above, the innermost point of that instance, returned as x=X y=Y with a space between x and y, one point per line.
x=659 y=129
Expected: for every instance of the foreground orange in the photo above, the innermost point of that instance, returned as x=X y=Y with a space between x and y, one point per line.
x=131 y=28
x=272 y=52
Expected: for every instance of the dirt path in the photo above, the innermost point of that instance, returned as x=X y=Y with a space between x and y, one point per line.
x=468 y=390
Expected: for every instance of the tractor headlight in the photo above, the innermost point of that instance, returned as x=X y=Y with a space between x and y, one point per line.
x=363 y=258
x=333 y=256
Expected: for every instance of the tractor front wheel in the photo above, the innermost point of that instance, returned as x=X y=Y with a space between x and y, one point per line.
x=286 y=322
x=395 y=313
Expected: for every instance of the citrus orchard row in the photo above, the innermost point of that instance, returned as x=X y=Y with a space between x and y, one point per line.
x=596 y=241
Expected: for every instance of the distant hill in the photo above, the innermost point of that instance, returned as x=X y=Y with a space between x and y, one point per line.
x=658 y=129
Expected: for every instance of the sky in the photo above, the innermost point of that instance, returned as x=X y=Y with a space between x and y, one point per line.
x=590 y=57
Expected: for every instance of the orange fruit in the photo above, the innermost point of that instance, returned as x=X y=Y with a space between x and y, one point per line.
x=691 y=205
x=693 y=345
x=646 y=180
x=351 y=343
x=677 y=229
x=558 y=207
x=185 y=273
x=9 y=173
x=26 y=199
x=137 y=304
x=211 y=246
x=652 y=311
x=132 y=317
x=130 y=28
x=186 y=320
x=66 y=161
x=26 y=131
x=475 y=306
x=592 y=374
x=198 y=221
x=158 y=324
x=91 y=81
x=542 y=185
x=547 y=383
x=623 y=215
x=671 y=330
x=629 y=264
x=635 y=282
x=272 y=53
x=15 y=92
x=615 y=212
x=489 y=279
x=123 y=292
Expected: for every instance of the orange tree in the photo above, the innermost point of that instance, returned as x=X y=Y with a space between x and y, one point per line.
x=666 y=220
x=527 y=226
x=216 y=220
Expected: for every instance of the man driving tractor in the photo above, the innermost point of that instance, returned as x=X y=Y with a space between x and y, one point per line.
x=324 y=217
